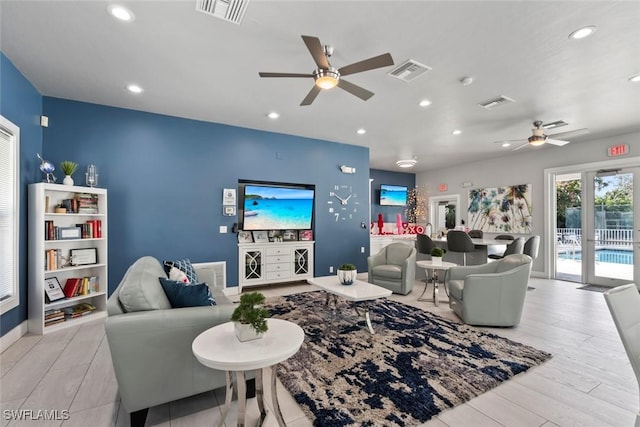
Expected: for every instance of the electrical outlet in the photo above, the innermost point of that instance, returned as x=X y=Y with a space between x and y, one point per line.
x=331 y=269
x=361 y=249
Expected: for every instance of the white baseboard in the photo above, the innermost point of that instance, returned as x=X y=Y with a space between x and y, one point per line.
x=231 y=291
x=13 y=335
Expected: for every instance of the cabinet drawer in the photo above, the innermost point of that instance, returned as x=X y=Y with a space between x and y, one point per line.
x=276 y=259
x=278 y=275
x=280 y=266
x=278 y=251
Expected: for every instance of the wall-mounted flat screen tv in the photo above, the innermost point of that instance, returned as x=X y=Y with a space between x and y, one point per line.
x=393 y=195
x=275 y=206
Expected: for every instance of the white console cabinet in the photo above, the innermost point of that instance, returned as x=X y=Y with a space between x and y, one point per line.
x=265 y=263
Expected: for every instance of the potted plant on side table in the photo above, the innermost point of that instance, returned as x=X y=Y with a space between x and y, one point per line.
x=250 y=317
x=436 y=255
x=347 y=274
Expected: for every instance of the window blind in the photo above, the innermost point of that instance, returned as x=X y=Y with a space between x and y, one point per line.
x=8 y=218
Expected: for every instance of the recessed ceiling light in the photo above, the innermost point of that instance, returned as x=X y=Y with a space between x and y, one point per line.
x=408 y=163
x=583 y=32
x=635 y=79
x=456 y=132
x=133 y=88
x=424 y=103
x=121 y=12
x=361 y=131
x=273 y=115
x=506 y=144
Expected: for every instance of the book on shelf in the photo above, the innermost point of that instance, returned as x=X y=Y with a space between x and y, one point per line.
x=52 y=259
x=87 y=203
x=71 y=287
x=78 y=310
x=78 y=286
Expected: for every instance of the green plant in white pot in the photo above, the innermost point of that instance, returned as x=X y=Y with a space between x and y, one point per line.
x=250 y=317
x=68 y=168
x=436 y=255
x=347 y=274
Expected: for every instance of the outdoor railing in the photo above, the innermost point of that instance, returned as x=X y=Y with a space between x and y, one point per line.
x=574 y=236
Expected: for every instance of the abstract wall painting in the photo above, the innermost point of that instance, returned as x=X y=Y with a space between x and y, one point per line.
x=501 y=209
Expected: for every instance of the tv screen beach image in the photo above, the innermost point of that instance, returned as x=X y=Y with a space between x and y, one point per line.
x=277 y=208
x=392 y=195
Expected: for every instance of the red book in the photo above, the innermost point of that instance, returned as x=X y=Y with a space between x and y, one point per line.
x=71 y=287
x=98 y=228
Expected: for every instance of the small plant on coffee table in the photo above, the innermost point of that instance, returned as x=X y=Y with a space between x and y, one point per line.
x=347 y=274
x=437 y=252
x=250 y=311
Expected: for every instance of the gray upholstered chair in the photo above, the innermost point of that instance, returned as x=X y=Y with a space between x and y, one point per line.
x=532 y=246
x=624 y=305
x=394 y=268
x=459 y=241
x=150 y=342
x=425 y=244
x=490 y=294
x=515 y=247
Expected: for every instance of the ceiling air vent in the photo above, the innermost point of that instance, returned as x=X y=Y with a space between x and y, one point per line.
x=227 y=10
x=409 y=70
x=496 y=102
x=556 y=124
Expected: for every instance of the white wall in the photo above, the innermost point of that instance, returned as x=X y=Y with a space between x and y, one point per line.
x=522 y=167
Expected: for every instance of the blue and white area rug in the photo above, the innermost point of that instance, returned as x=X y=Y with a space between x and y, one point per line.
x=415 y=366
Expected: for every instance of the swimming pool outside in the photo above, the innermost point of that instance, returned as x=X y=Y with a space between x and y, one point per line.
x=615 y=256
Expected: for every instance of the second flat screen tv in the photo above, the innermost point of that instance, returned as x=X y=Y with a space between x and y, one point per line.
x=277 y=207
x=393 y=195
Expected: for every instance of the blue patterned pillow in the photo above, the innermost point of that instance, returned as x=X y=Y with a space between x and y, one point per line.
x=183 y=265
x=181 y=295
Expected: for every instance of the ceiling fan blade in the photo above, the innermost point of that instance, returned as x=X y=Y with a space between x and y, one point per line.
x=570 y=133
x=521 y=146
x=284 y=75
x=356 y=90
x=311 y=96
x=558 y=142
x=316 y=50
x=368 y=64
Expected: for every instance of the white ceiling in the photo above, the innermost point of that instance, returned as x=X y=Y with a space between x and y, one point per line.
x=197 y=66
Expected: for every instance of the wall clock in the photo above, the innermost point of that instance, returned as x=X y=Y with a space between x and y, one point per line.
x=343 y=203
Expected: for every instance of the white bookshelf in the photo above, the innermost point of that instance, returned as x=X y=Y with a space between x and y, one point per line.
x=43 y=197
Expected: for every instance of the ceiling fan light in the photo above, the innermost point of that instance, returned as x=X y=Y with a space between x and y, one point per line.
x=408 y=163
x=326 y=79
x=537 y=140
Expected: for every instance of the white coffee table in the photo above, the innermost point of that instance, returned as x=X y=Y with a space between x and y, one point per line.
x=358 y=291
x=434 y=267
x=218 y=348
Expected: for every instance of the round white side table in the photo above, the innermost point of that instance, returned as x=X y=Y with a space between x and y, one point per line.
x=218 y=348
x=434 y=267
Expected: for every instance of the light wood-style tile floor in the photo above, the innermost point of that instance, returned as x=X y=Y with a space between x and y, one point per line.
x=588 y=382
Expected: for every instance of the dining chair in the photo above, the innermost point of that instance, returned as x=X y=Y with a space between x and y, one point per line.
x=624 y=305
x=476 y=234
x=515 y=247
x=424 y=244
x=532 y=246
x=459 y=241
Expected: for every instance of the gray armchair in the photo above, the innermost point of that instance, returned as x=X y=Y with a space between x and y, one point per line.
x=150 y=342
x=394 y=268
x=490 y=294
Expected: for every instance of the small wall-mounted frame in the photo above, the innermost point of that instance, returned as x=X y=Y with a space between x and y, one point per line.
x=228 y=210
x=84 y=256
x=52 y=289
x=68 y=233
x=229 y=197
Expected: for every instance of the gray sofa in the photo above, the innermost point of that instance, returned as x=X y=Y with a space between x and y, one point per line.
x=490 y=294
x=150 y=342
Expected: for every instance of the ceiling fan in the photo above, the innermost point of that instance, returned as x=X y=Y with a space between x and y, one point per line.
x=327 y=77
x=539 y=138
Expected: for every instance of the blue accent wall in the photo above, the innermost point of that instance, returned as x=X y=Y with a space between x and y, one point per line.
x=165 y=177
x=389 y=213
x=21 y=104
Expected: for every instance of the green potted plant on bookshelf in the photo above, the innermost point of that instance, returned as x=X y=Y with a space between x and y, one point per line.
x=68 y=168
x=347 y=274
x=250 y=317
x=436 y=255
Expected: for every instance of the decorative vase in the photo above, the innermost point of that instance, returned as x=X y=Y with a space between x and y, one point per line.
x=67 y=180
x=347 y=277
x=245 y=332
x=436 y=260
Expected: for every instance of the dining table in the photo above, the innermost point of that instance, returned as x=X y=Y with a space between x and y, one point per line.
x=483 y=247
